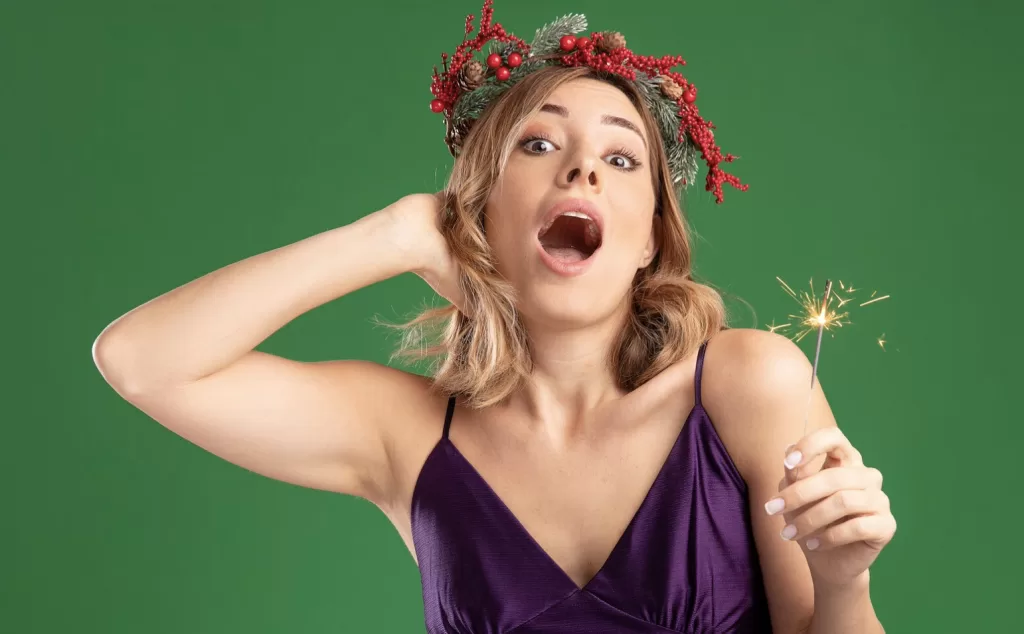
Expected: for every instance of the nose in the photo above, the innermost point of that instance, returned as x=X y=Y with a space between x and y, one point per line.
x=581 y=169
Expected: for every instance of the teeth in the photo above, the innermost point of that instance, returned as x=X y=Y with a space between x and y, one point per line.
x=591 y=225
x=576 y=214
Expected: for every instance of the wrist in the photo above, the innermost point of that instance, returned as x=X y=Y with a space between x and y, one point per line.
x=844 y=608
x=854 y=588
x=412 y=232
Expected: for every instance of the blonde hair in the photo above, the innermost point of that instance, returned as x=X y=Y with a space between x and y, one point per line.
x=486 y=357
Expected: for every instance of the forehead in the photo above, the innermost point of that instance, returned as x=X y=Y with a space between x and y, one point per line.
x=592 y=96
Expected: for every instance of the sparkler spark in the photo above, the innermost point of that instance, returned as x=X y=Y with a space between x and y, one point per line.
x=876 y=299
x=819 y=314
x=822 y=313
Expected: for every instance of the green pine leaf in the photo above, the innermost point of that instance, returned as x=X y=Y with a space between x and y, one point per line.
x=682 y=156
x=664 y=111
x=528 y=66
x=682 y=160
x=472 y=104
x=547 y=38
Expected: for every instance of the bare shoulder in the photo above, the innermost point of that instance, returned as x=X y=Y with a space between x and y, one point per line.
x=755 y=388
x=754 y=363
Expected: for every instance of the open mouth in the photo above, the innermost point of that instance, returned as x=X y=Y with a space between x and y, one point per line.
x=571 y=237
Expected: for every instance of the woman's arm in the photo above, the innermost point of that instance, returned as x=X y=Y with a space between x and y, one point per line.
x=756 y=392
x=187 y=357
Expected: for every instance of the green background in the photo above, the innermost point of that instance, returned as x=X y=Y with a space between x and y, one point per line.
x=147 y=143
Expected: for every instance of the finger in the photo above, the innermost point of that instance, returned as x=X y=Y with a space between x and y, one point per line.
x=829 y=441
x=804 y=469
x=844 y=504
x=876 y=529
x=797 y=495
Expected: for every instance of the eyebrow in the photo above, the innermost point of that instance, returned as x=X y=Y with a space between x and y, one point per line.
x=608 y=119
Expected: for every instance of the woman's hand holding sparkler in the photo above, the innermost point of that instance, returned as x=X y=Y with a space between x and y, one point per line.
x=838 y=512
x=813 y=484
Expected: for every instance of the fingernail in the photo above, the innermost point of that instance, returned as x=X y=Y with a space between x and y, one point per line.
x=774 y=506
x=813 y=543
x=793 y=459
x=789 y=532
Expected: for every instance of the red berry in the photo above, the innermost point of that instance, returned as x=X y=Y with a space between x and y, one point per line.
x=515 y=59
x=689 y=96
x=583 y=42
x=503 y=73
x=568 y=42
x=494 y=60
x=437 y=105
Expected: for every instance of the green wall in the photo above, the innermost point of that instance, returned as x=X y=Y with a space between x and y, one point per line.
x=146 y=143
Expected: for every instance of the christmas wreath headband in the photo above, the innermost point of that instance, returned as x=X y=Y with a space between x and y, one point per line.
x=466 y=87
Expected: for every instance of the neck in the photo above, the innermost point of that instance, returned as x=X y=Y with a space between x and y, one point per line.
x=571 y=378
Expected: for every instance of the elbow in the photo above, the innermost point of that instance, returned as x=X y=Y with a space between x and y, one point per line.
x=112 y=357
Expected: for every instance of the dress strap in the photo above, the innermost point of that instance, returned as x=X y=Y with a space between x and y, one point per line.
x=448 y=416
x=698 y=372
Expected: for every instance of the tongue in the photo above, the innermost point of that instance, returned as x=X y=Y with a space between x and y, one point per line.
x=566 y=254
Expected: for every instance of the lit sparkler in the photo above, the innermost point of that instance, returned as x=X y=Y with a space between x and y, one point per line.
x=817 y=314
x=820 y=315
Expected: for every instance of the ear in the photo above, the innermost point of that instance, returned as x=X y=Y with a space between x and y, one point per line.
x=653 y=242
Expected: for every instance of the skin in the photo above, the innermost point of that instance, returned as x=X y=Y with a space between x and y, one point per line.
x=570 y=454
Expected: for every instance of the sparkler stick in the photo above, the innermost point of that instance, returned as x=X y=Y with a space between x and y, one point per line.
x=822 y=320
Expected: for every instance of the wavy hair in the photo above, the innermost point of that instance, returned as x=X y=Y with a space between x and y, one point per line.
x=484 y=358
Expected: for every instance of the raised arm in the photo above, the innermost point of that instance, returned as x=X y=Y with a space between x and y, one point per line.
x=187 y=358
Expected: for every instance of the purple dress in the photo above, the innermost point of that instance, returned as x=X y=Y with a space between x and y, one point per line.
x=685 y=563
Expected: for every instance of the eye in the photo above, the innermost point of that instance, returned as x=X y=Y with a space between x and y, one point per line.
x=624 y=160
x=537 y=145
x=621 y=159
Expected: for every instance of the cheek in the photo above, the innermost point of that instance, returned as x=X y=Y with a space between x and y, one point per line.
x=506 y=231
x=634 y=222
x=511 y=211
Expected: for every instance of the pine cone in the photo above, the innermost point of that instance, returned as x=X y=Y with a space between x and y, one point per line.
x=456 y=133
x=670 y=88
x=610 y=41
x=471 y=75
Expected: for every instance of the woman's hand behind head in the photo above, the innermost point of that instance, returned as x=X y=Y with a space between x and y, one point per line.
x=416 y=218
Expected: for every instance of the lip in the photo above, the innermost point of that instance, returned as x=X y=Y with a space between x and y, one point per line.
x=572 y=204
x=582 y=205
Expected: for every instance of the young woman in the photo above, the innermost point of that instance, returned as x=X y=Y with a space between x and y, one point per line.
x=596 y=451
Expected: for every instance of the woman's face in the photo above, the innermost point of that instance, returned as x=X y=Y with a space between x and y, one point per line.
x=571 y=216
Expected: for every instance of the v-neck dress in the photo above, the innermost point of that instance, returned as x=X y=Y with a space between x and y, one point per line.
x=686 y=561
